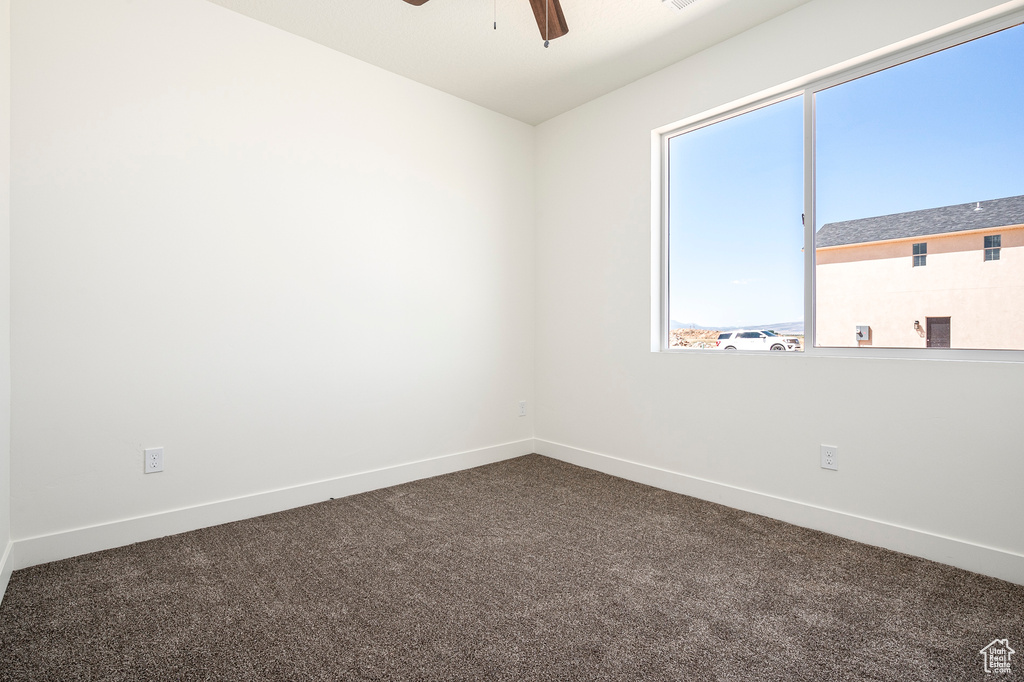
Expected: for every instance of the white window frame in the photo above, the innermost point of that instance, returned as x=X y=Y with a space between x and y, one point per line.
x=806 y=87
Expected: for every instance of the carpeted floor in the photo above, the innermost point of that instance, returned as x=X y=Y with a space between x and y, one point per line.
x=529 y=569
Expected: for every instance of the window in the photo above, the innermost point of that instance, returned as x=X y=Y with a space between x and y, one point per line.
x=735 y=237
x=925 y=153
x=923 y=160
x=992 y=243
x=920 y=254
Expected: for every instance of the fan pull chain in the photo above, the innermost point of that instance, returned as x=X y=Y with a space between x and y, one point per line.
x=547 y=30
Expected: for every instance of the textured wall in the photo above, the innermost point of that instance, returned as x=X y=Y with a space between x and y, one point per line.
x=878 y=285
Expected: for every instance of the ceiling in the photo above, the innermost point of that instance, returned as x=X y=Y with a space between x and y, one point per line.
x=451 y=44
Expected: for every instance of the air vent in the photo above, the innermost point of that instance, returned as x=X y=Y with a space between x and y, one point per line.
x=678 y=5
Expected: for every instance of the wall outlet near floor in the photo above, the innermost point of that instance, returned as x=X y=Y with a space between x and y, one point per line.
x=154 y=458
x=830 y=457
x=522 y=408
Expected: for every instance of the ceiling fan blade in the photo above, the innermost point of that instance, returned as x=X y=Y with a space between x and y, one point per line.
x=416 y=2
x=554 y=25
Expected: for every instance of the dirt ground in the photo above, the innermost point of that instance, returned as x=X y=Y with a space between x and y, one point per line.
x=692 y=338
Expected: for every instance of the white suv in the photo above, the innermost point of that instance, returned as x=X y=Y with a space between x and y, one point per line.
x=749 y=339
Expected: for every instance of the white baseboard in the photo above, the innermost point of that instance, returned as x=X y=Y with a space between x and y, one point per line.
x=26 y=552
x=972 y=557
x=65 y=544
x=6 y=568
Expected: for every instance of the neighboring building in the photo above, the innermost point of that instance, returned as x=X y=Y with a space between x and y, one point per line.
x=942 y=277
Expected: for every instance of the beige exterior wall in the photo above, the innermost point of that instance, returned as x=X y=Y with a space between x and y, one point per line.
x=875 y=284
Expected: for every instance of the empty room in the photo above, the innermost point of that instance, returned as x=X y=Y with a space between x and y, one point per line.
x=511 y=340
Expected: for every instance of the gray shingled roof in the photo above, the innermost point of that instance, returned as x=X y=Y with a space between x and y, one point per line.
x=994 y=213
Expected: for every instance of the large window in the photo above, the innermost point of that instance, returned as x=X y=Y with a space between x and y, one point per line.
x=918 y=178
x=735 y=234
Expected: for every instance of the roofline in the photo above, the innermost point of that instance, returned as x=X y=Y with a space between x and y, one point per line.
x=918 y=238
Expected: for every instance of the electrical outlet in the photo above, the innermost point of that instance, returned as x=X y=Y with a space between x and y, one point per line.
x=154 y=460
x=830 y=457
x=522 y=408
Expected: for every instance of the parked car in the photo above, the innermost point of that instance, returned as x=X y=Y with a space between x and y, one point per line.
x=759 y=339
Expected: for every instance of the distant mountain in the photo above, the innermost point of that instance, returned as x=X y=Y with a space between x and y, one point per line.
x=780 y=327
x=673 y=324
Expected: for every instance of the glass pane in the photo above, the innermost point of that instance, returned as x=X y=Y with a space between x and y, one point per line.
x=928 y=151
x=735 y=228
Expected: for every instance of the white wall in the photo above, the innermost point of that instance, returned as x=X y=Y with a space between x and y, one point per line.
x=929 y=449
x=5 y=292
x=287 y=266
x=279 y=263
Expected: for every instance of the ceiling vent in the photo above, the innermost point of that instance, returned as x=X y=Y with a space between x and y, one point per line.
x=678 y=5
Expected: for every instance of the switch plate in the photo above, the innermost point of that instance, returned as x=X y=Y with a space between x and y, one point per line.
x=154 y=460
x=830 y=457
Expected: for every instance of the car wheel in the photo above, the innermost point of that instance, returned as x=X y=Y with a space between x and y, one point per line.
x=730 y=348
x=778 y=346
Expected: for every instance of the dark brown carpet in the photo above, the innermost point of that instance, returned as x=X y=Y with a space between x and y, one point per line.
x=529 y=569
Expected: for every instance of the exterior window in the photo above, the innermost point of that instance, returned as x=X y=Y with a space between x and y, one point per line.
x=735 y=237
x=920 y=254
x=931 y=148
x=904 y=158
x=992 y=244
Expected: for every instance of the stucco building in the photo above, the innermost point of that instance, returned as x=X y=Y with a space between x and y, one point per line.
x=943 y=277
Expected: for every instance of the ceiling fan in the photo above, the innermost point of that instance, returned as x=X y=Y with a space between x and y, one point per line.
x=548 y=14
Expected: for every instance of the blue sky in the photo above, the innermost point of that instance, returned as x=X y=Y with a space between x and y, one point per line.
x=944 y=129
x=736 y=195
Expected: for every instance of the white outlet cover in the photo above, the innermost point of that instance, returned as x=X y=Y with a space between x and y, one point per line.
x=830 y=457
x=154 y=460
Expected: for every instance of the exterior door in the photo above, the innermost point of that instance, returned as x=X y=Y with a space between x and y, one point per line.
x=938 y=332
